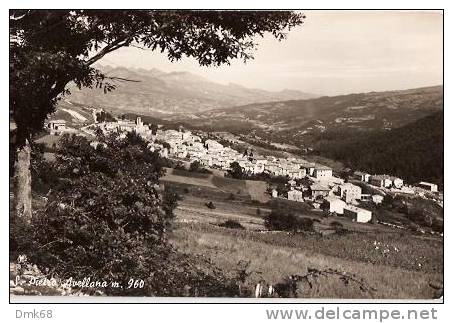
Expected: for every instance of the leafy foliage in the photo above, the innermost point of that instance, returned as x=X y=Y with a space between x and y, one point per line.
x=108 y=219
x=236 y=171
x=196 y=167
x=277 y=220
x=104 y=116
x=232 y=224
x=50 y=48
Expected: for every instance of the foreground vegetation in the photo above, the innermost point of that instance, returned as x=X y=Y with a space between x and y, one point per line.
x=104 y=211
x=101 y=215
x=280 y=239
x=273 y=256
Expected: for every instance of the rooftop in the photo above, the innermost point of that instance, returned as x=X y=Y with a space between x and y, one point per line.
x=319 y=187
x=57 y=121
x=354 y=208
x=322 y=167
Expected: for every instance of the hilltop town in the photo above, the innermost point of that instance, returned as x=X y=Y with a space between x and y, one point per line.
x=306 y=182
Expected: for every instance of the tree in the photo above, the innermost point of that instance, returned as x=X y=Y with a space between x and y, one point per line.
x=104 y=116
x=51 y=48
x=153 y=128
x=236 y=171
x=101 y=220
x=195 y=166
x=279 y=220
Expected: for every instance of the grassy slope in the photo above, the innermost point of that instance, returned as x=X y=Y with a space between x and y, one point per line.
x=226 y=247
x=395 y=274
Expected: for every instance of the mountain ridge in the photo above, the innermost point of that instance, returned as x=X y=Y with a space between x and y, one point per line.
x=371 y=110
x=167 y=93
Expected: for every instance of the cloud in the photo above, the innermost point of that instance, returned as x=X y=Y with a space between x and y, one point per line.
x=364 y=50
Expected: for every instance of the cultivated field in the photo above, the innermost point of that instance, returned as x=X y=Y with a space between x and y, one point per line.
x=396 y=263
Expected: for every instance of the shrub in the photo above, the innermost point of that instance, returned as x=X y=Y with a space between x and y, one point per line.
x=210 y=205
x=180 y=166
x=232 y=224
x=196 y=167
x=287 y=222
x=336 y=224
x=235 y=171
x=108 y=221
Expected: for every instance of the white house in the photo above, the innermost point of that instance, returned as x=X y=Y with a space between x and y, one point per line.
x=381 y=181
x=322 y=172
x=56 y=125
x=274 y=193
x=397 y=182
x=350 y=192
x=295 y=195
x=364 y=177
x=319 y=190
x=258 y=168
x=357 y=214
x=309 y=168
x=428 y=186
x=335 y=204
x=297 y=174
x=377 y=199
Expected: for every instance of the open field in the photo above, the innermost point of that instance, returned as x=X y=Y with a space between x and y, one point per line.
x=196 y=181
x=272 y=261
x=397 y=263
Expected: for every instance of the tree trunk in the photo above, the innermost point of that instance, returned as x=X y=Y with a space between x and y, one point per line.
x=22 y=181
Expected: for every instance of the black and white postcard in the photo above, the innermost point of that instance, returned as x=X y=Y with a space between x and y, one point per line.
x=227 y=155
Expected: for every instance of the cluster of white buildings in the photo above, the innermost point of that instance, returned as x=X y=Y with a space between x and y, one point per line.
x=333 y=195
x=392 y=182
x=326 y=190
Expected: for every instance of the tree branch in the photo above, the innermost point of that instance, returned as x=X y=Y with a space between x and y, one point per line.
x=121 y=42
x=121 y=79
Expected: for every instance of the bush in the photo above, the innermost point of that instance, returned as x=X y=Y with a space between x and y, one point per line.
x=232 y=224
x=287 y=222
x=235 y=171
x=108 y=221
x=210 y=205
x=104 y=116
x=336 y=224
x=196 y=167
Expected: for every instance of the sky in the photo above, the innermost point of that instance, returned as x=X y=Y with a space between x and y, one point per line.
x=333 y=52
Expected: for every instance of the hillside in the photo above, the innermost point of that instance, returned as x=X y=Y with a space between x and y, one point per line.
x=414 y=152
x=161 y=94
x=380 y=132
x=298 y=120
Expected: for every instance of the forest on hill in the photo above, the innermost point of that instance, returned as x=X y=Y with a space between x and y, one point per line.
x=413 y=152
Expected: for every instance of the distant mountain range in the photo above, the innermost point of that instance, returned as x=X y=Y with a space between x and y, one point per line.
x=161 y=94
x=395 y=132
x=296 y=121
